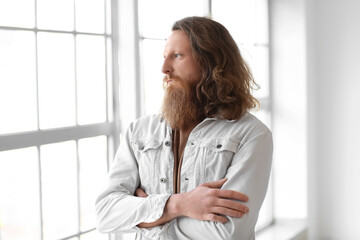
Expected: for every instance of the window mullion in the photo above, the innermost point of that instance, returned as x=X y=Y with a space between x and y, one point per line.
x=35 y=138
x=139 y=86
x=37 y=70
x=40 y=195
x=78 y=186
x=75 y=70
x=114 y=79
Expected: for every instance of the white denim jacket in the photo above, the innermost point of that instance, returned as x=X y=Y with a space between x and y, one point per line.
x=240 y=150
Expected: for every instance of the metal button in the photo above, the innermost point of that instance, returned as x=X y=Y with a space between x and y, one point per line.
x=192 y=143
x=142 y=147
x=163 y=180
x=167 y=143
x=218 y=146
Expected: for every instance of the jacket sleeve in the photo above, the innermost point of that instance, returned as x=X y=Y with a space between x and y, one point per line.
x=117 y=209
x=248 y=173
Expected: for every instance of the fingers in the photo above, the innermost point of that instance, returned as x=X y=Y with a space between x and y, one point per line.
x=230 y=194
x=209 y=202
x=232 y=205
x=226 y=193
x=227 y=212
x=140 y=193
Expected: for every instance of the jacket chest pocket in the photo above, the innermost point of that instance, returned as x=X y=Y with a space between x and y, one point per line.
x=147 y=152
x=217 y=157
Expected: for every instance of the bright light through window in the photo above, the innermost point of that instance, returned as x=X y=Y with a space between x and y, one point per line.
x=58 y=79
x=17 y=87
x=57 y=129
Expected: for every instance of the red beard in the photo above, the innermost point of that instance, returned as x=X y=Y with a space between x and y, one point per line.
x=180 y=106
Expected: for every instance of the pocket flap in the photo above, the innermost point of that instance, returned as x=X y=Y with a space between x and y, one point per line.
x=146 y=144
x=219 y=145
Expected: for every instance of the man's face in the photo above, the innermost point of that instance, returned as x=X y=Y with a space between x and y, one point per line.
x=179 y=63
x=182 y=72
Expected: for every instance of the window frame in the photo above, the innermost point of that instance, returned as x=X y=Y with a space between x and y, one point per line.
x=110 y=128
x=113 y=127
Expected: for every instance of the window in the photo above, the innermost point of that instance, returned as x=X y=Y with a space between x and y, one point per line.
x=246 y=20
x=58 y=106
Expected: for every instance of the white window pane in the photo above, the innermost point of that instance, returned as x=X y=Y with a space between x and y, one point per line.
x=17 y=82
x=56 y=80
x=59 y=189
x=55 y=14
x=260 y=68
x=157 y=17
x=108 y=17
x=19 y=190
x=263 y=116
x=94 y=235
x=93 y=168
x=19 y=13
x=238 y=17
x=91 y=83
x=258 y=59
x=262 y=22
x=153 y=77
x=109 y=76
x=90 y=16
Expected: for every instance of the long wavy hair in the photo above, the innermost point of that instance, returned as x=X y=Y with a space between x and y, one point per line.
x=225 y=88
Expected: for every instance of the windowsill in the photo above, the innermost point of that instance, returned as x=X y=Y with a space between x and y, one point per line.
x=284 y=229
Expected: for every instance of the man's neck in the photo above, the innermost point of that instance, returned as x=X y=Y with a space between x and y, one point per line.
x=185 y=132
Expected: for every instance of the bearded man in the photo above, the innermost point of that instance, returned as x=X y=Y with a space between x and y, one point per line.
x=200 y=169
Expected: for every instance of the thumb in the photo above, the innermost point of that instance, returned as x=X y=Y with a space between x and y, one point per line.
x=215 y=184
x=140 y=193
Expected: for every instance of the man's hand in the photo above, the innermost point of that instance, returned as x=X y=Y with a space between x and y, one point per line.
x=140 y=193
x=205 y=202
x=209 y=202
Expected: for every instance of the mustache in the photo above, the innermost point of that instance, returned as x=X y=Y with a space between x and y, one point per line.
x=172 y=78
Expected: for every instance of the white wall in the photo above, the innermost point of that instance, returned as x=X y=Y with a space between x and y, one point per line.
x=316 y=95
x=333 y=53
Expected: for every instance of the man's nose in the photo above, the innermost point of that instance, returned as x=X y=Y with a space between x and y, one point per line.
x=167 y=67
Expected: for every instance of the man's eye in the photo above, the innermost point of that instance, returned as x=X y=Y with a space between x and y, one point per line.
x=176 y=55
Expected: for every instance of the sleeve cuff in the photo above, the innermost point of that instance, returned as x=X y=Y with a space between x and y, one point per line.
x=157 y=204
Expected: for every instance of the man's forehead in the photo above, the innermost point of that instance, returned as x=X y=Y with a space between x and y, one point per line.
x=177 y=34
x=177 y=39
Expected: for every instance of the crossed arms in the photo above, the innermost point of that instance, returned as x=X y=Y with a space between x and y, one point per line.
x=214 y=210
x=205 y=202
